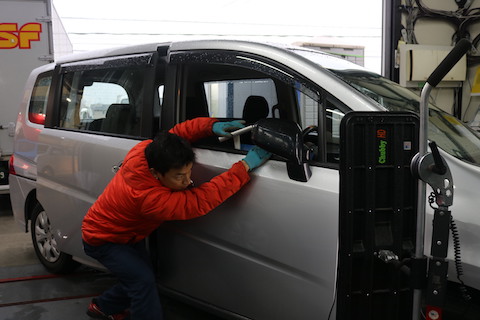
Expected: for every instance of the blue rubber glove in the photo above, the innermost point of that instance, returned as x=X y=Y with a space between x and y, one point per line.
x=256 y=157
x=222 y=128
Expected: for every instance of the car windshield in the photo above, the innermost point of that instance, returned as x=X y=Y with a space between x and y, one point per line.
x=448 y=132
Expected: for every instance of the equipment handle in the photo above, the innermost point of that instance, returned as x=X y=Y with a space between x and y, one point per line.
x=449 y=62
x=439 y=166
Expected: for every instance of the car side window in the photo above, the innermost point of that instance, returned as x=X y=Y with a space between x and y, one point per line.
x=102 y=100
x=108 y=95
x=39 y=98
x=244 y=88
x=326 y=113
x=246 y=99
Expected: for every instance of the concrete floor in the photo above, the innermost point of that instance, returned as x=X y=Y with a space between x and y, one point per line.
x=29 y=292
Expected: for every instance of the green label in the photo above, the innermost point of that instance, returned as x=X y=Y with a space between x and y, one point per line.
x=382 y=149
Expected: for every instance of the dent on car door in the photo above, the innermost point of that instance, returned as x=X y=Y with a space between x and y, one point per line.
x=100 y=110
x=274 y=242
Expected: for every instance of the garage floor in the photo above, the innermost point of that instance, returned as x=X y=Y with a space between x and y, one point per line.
x=29 y=292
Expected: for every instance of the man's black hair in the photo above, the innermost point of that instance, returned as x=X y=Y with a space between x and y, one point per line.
x=168 y=151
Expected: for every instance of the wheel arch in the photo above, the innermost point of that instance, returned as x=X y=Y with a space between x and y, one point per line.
x=30 y=203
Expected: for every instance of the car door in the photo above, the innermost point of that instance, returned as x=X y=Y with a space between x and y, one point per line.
x=102 y=109
x=268 y=252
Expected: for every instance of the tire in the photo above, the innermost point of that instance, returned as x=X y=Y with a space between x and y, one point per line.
x=45 y=244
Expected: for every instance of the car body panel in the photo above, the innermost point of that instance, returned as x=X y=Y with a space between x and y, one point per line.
x=72 y=175
x=21 y=187
x=258 y=236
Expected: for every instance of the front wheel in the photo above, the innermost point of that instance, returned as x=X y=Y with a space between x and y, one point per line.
x=45 y=244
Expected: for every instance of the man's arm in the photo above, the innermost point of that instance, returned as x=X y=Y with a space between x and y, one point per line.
x=167 y=204
x=198 y=128
x=194 y=129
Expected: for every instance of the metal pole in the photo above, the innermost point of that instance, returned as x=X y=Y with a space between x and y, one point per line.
x=437 y=75
x=50 y=29
x=422 y=189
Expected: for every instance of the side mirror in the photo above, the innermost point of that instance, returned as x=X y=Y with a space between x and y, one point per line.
x=284 y=138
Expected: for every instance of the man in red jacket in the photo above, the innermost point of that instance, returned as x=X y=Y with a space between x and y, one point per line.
x=152 y=186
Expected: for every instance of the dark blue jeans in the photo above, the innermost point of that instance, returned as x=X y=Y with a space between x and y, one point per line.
x=136 y=289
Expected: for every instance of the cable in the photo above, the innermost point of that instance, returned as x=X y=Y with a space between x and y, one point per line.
x=461 y=18
x=458 y=260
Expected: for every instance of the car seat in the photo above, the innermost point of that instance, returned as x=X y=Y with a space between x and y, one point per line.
x=255 y=108
x=117 y=119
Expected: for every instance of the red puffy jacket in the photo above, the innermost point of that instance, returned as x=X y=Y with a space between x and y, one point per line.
x=134 y=203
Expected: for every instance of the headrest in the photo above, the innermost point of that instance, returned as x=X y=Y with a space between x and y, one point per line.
x=256 y=108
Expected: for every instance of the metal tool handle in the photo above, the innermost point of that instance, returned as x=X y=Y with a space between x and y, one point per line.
x=236 y=133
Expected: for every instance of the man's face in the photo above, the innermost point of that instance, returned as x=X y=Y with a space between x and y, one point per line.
x=176 y=179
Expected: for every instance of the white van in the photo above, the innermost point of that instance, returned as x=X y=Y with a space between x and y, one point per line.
x=270 y=251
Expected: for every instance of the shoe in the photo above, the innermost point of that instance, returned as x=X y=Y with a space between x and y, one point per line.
x=95 y=313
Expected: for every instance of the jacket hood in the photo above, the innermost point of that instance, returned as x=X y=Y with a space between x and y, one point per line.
x=135 y=170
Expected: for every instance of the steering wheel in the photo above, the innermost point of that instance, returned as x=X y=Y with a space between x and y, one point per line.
x=311 y=145
x=309 y=130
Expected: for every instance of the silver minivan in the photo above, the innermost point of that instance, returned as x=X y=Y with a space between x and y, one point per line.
x=270 y=251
